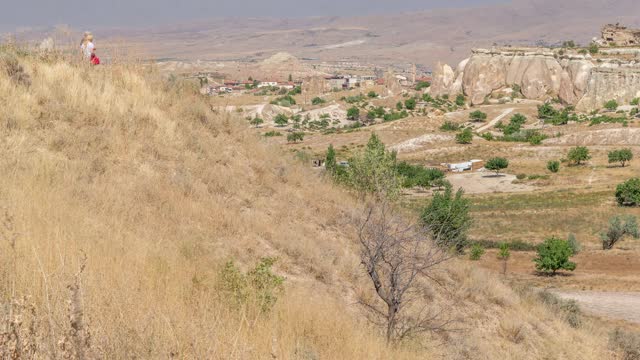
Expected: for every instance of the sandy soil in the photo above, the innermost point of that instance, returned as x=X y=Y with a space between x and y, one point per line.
x=614 y=305
x=486 y=182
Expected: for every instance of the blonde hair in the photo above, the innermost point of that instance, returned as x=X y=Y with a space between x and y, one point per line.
x=85 y=37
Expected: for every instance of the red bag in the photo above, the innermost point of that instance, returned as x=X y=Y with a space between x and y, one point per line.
x=95 y=60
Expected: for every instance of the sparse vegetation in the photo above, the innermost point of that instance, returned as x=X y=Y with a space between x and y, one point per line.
x=475 y=252
x=625 y=342
x=464 y=137
x=422 y=85
x=611 y=105
x=256 y=122
x=478 y=116
x=353 y=113
x=318 y=101
x=447 y=218
x=372 y=94
x=449 y=126
x=295 y=137
x=504 y=253
x=553 y=166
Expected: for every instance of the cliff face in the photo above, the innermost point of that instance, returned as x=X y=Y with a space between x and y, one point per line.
x=540 y=74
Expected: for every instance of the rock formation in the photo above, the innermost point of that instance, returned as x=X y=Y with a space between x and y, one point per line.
x=540 y=74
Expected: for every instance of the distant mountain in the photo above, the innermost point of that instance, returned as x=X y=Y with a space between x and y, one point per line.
x=419 y=37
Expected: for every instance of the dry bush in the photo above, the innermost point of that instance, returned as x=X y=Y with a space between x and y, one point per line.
x=626 y=343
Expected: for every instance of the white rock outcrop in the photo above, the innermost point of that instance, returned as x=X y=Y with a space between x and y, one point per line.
x=540 y=74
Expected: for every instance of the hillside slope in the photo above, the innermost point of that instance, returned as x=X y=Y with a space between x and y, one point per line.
x=124 y=196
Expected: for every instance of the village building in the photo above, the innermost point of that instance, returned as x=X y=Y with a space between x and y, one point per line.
x=618 y=35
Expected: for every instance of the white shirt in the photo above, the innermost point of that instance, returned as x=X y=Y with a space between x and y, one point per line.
x=87 y=49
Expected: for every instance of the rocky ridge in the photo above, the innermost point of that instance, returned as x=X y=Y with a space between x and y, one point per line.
x=541 y=74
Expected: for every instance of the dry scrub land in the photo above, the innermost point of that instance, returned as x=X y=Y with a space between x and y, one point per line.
x=125 y=197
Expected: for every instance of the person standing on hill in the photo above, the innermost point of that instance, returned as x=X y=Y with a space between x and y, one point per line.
x=87 y=46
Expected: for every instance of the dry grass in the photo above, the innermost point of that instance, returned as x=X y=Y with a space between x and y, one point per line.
x=139 y=184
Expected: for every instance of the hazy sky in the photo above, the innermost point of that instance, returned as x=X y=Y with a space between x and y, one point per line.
x=18 y=13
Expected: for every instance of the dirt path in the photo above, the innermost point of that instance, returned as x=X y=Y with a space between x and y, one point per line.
x=615 y=305
x=493 y=122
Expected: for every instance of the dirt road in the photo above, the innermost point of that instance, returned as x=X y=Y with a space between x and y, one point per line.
x=614 y=305
x=493 y=122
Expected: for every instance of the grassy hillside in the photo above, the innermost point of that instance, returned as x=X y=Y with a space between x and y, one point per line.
x=124 y=196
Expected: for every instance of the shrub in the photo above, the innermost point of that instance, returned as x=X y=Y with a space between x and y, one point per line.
x=635 y=101
x=449 y=126
x=353 y=113
x=318 y=101
x=372 y=94
x=553 y=166
x=504 y=254
x=623 y=156
x=295 y=137
x=418 y=175
x=578 y=154
x=476 y=252
x=496 y=164
x=628 y=193
x=422 y=85
x=568 y=308
x=285 y=101
x=521 y=176
x=611 y=105
x=619 y=227
x=464 y=137
x=478 y=116
x=272 y=134
x=399 y=106
x=256 y=121
x=259 y=286
x=460 y=100
x=515 y=245
x=593 y=48
x=553 y=255
x=373 y=171
x=546 y=112
x=410 y=104
x=574 y=244
x=447 y=218
x=281 y=120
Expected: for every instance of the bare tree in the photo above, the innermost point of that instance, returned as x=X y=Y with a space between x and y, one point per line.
x=399 y=256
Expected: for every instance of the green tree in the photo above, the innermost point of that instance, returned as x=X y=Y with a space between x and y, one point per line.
x=399 y=106
x=281 y=120
x=578 y=154
x=504 y=253
x=496 y=164
x=330 y=162
x=447 y=218
x=593 y=48
x=373 y=171
x=619 y=227
x=410 y=104
x=460 y=100
x=353 y=113
x=553 y=166
x=372 y=94
x=569 y=44
x=623 y=156
x=318 y=100
x=464 y=137
x=611 y=105
x=478 y=116
x=256 y=121
x=295 y=137
x=628 y=193
x=554 y=255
